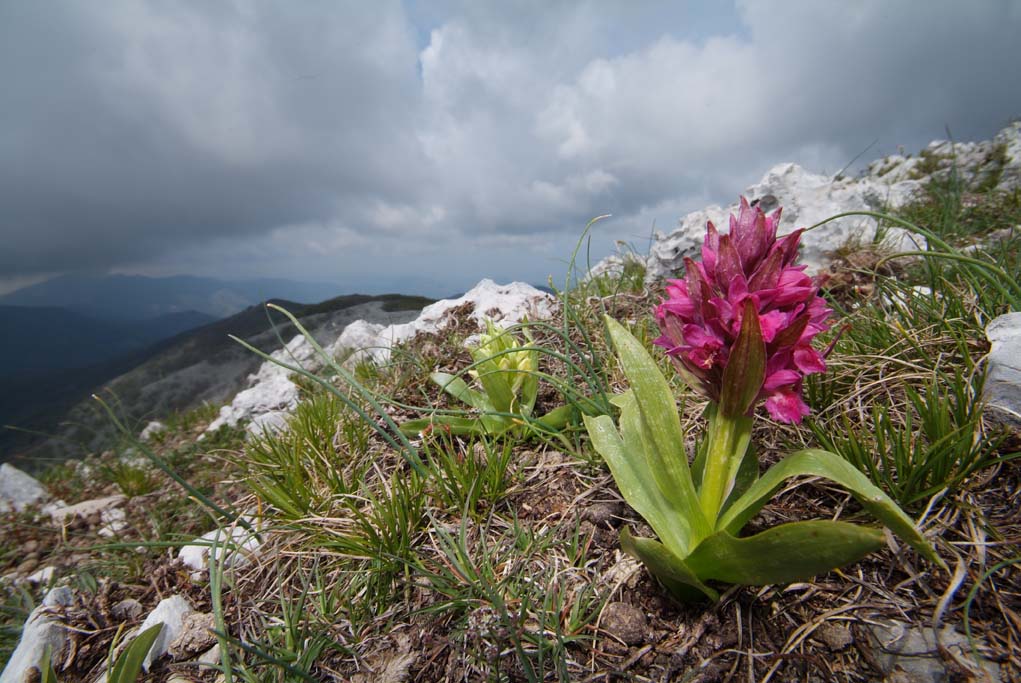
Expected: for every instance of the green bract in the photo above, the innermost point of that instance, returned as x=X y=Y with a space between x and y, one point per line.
x=697 y=512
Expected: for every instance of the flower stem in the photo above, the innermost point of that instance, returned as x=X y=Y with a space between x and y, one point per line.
x=728 y=444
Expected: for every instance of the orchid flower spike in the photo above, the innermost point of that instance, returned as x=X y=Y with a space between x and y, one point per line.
x=746 y=272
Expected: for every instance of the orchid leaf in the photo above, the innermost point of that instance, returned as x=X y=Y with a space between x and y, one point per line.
x=131 y=661
x=458 y=388
x=623 y=454
x=820 y=463
x=559 y=417
x=785 y=553
x=661 y=433
x=671 y=571
x=456 y=425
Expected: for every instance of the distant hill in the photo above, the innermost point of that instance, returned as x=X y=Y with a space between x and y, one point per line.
x=176 y=374
x=135 y=297
x=35 y=340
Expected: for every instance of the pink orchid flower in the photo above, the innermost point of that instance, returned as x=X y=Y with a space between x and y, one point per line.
x=746 y=271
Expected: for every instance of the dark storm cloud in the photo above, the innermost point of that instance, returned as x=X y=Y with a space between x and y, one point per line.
x=455 y=140
x=130 y=128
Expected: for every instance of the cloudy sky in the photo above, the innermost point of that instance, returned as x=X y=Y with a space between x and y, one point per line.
x=409 y=145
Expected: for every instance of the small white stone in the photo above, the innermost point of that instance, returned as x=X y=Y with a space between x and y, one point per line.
x=41 y=631
x=272 y=422
x=152 y=429
x=86 y=508
x=43 y=576
x=18 y=489
x=171 y=613
x=197 y=555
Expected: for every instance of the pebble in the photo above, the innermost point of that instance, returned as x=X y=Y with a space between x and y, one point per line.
x=624 y=622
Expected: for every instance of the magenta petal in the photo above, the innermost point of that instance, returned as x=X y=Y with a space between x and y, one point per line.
x=808 y=360
x=778 y=379
x=772 y=322
x=786 y=406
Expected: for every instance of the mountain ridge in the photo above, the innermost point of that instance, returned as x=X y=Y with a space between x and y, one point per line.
x=139 y=297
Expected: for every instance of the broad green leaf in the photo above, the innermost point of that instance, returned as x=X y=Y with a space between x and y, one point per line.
x=559 y=417
x=458 y=426
x=819 y=463
x=785 y=553
x=671 y=570
x=635 y=482
x=129 y=664
x=661 y=427
x=746 y=367
x=458 y=388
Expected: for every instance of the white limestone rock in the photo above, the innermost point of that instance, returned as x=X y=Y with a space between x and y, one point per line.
x=152 y=429
x=1010 y=175
x=617 y=264
x=237 y=542
x=977 y=164
x=265 y=424
x=1002 y=390
x=18 y=490
x=86 y=508
x=271 y=395
x=807 y=198
x=171 y=612
x=505 y=305
x=41 y=630
x=269 y=388
x=364 y=338
x=43 y=576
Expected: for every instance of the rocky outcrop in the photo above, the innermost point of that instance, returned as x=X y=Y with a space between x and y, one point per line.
x=271 y=394
x=504 y=305
x=808 y=198
x=269 y=389
x=988 y=164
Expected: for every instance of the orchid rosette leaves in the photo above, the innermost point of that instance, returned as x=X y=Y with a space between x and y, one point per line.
x=738 y=328
x=507 y=372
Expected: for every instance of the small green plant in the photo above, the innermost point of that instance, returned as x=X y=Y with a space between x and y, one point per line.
x=717 y=336
x=937 y=445
x=496 y=575
x=125 y=669
x=506 y=371
x=131 y=479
